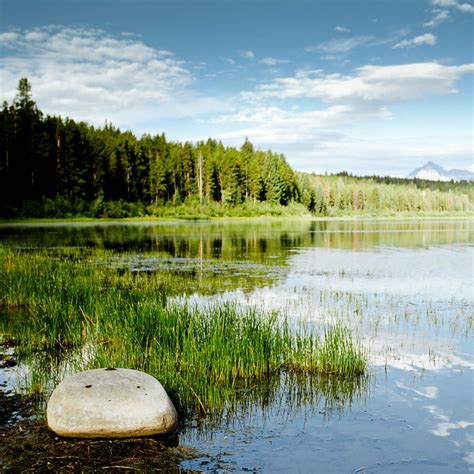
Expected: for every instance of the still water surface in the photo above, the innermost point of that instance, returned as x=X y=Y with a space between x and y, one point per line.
x=404 y=288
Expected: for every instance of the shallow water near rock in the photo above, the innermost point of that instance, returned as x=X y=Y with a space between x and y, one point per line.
x=403 y=287
x=409 y=422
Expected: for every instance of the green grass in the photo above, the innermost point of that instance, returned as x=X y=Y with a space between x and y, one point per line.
x=77 y=314
x=120 y=210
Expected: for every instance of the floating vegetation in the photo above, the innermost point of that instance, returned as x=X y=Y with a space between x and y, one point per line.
x=88 y=316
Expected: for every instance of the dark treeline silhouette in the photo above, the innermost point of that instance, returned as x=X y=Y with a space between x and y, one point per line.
x=57 y=161
x=55 y=167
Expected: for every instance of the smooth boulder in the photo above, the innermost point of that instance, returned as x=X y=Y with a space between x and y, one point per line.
x=104 y=403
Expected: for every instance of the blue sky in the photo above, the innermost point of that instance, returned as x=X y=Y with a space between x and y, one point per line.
x=377 y=86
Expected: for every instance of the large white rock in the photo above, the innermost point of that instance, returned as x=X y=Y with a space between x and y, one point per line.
x=104 y=403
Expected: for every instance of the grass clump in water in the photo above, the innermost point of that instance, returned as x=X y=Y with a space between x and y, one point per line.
x=338 y=354
x=101 y=317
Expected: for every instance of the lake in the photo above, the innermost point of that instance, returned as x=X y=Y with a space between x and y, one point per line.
x=404 y=289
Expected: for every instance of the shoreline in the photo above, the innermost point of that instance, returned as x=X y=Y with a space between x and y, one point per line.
x=173 y=219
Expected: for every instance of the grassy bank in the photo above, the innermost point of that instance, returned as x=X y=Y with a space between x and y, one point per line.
x=122 y=210
x=342 y=216
x=193 y=209
x=64 y=307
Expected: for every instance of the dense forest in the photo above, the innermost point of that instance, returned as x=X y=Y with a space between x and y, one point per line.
x=56 y=167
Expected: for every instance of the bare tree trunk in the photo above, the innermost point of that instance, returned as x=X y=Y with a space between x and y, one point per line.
x=200 y=177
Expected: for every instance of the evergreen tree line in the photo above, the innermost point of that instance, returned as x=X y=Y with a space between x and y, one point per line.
x=336 y=194
x=462 y=186
x=47 y=158
x=52 y=167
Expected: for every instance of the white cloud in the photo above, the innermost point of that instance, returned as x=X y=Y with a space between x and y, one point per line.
x=340 y=45
x=35 y=36
x=427 y=38
x=90 y=75
x=314 y=135
x=444 y=3
x=465 y=8
x=336 y=48
x=273 y=61
x=335 y=57
x=309 y=146
x=164 y=52
x=369 y=85
x=8 y=37
x=304 y=136
x=440 y=17
x=247 y=54
x=402 y=147
x=272 y=118
x=341 y=29
x=462 y=7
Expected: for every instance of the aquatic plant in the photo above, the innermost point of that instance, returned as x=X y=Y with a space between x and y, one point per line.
x=62 y=302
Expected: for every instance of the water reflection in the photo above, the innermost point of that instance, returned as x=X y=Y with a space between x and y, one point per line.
x=405 y=288
x=38 y=373
x=391 y=431
x=255 y=241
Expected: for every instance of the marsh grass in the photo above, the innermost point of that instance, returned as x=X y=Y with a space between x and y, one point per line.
x=60 y=305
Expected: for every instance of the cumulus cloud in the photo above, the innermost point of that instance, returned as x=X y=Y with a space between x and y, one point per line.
x=462 y=7
x=368 y=85
x=246 y=54
x=465 y=8
x=93 y=76
x=310 y=148
x=275 y=119
x=271 y=117
x=427 y=38
x=294 y=131
x=8 y=37
x=444 y=3
x=440 y=17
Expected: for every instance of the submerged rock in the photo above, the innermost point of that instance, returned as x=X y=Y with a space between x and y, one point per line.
x=104 y=403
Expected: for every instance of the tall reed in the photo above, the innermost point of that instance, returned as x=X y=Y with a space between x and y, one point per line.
x=64 y=304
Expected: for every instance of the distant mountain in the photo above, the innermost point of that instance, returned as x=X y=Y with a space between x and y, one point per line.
x=434 y=172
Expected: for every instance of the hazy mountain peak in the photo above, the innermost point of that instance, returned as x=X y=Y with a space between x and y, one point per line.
x=434 y=172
